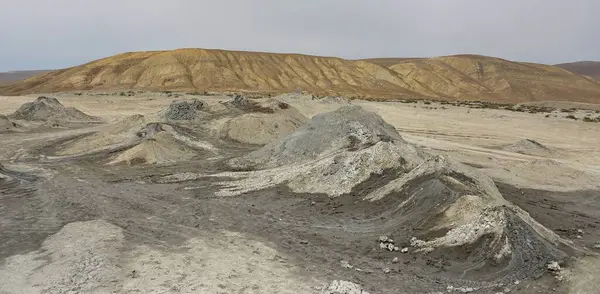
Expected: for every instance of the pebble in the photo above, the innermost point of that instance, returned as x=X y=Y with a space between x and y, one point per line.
x=580 y=232
x=579 y=237
x=313 y=203
x=553 y=266
x=517 y=282
x=396 y=248
x=382 y=245
x=390 y=247
x=404 y=250
x=395 y=260
x=346 y=264
x=383 y=238
x=386 y=270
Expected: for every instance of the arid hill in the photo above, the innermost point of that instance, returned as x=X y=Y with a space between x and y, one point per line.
x=464 y=77
x=586 y=68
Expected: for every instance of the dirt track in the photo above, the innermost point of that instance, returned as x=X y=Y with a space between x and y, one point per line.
x=266 y=241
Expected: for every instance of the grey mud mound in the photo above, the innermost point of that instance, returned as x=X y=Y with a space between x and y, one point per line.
x=184 y=110
x=260 y=122
x=349 y=128
x=157 y=146
x=438 y=207
x=528 y=147
x=50 y=109
x=6 y=125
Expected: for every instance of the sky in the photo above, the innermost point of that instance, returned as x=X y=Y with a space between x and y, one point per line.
x=43 y=34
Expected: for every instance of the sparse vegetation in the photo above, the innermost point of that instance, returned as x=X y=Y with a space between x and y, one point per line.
x=591 y=119
x=570 y=116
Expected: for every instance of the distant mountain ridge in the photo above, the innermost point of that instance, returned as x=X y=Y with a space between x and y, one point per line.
x=18 y=75
x=458 y=77
x=586 y=68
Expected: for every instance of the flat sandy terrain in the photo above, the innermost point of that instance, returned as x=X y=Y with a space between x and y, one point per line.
x=91 y=224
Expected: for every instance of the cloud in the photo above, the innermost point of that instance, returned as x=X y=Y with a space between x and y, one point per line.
x=38 y=34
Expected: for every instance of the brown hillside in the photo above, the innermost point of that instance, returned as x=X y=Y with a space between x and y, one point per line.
x=586 y=68
x=464 y=77
x=388 y=61
x=474 y=77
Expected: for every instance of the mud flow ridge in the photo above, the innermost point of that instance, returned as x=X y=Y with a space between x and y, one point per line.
x=437 y=207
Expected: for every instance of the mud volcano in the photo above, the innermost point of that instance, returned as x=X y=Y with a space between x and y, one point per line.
x=437 y=207
x=260 y=122
x=50 y=109
x=184 y=110
x=157 y=146
x=528 y=147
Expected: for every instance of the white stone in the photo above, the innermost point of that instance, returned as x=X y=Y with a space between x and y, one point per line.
x=404 y=250
x=395 y=260
x=553 y=266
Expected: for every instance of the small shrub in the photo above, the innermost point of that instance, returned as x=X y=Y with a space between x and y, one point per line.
x=588 y=119
x=427 y=102
x=571 y=117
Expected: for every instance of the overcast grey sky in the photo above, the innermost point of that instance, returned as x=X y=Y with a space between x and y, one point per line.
x=41 y=34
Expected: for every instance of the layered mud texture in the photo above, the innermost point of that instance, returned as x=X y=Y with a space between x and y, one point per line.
x=51 y=110
x=184 y=110
x=6 y=125
x=528 y=147
x=16 y=189
x=447 y=213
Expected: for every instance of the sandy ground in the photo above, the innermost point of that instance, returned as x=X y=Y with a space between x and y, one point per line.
x=88 y=228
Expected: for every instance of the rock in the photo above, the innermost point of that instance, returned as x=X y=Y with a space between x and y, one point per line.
x=383 y=238
x=390 y=247
x=506 y=290
x=386 y=270
x=580 y=231
x=553 y=266
x=517 y=282
x=382 y=245
x=450 y=288
x=390 y=241
x=404 y=250
x=579 y=237
x=346 y=264
x=469 y=290
x=597 y=246
x=343 y=287
x=396 y=248
x=313 y=203
x=395 y=260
